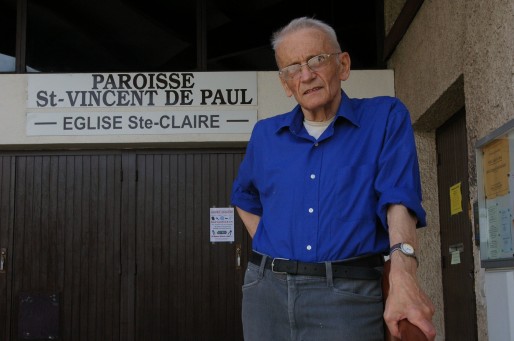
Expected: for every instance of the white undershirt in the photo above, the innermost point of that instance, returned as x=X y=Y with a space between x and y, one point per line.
x=315 y=129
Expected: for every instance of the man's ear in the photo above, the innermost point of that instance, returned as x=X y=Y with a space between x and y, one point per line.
x=288 y=91
x=344 y=71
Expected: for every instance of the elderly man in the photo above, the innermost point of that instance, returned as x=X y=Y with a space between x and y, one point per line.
x=325 y=191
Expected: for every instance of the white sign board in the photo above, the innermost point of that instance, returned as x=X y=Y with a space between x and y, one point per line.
x=222 y=224
x=141 y=103
x=136 y=90
x=141 y=123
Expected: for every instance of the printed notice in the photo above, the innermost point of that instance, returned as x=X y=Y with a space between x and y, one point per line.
x=496 y=168
x=455 y=199
x=455 y=257
x=222 y=224
x=493 y=214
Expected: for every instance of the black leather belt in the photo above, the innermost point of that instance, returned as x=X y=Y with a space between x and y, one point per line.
x=356 y=268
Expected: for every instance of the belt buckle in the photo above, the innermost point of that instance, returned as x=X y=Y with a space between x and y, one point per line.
x=273 y=266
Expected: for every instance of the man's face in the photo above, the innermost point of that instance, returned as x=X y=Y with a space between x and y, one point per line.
x=319 y=90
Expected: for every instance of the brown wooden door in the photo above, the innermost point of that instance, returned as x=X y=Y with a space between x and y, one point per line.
x=67 y=243
x=187 y=288
x=122 y=241
x=458 y=272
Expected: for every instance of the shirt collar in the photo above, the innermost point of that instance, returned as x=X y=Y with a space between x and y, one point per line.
x=294 y=120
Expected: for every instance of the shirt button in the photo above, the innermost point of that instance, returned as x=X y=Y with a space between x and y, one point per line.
x=311 y=210
x=309 y=247
x=313 y=176
x=316 y=144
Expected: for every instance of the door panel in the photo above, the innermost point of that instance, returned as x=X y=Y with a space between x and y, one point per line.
x=66 y=240
x=186 y=287
x=458 y=278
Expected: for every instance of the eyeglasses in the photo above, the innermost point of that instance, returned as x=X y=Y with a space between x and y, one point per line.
x=316 y=63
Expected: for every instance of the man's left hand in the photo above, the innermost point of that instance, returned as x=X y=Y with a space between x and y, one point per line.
x=406 y=300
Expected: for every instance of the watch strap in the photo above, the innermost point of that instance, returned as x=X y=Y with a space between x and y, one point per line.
x=399 y=247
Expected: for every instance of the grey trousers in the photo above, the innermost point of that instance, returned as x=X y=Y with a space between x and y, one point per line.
x=280 y=307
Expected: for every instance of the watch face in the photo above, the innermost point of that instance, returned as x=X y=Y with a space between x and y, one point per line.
x=407 y=249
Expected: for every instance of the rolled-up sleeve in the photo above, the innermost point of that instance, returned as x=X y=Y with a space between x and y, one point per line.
x=398 y=178
x=244 y=193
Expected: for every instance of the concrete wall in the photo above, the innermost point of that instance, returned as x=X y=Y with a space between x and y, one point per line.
x=456 y=53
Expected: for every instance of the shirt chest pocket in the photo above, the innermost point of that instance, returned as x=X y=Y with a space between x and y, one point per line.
x=355 y=191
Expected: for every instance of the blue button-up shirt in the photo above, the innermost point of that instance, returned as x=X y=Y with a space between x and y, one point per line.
x=327 y=199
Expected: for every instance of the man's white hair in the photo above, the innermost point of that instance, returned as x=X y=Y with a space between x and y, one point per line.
x=302 y=23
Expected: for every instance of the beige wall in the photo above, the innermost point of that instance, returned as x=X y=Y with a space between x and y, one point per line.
x=456 y=53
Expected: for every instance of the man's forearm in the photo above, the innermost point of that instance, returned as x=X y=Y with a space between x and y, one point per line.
x=402 y=229
x=406 y=298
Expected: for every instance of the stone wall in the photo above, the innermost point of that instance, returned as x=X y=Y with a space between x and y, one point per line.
x=456 y=53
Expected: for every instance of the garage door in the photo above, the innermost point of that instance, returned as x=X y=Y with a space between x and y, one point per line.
x=117 y=245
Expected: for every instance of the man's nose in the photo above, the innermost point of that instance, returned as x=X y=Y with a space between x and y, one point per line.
x=305 y=71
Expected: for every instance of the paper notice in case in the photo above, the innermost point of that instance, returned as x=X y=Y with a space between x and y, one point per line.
x=222 y=224
x=496 y=168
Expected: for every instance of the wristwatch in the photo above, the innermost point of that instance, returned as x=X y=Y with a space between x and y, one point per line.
x=406 y=249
